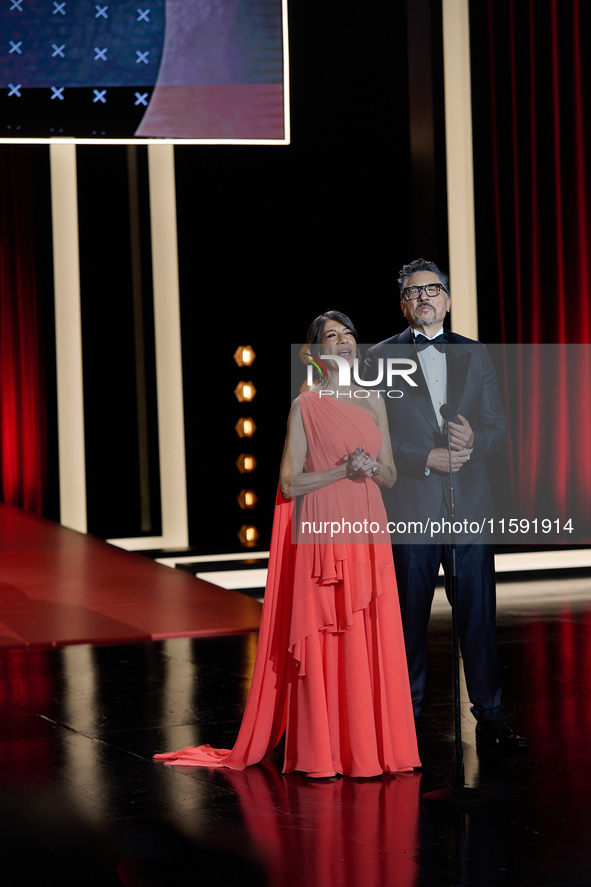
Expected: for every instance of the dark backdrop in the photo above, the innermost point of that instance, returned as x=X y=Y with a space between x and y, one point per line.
x=271 y=236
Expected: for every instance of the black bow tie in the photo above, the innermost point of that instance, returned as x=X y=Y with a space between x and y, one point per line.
x=438 y=342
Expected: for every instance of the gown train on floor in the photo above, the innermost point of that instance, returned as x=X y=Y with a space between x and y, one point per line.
x=330 y=668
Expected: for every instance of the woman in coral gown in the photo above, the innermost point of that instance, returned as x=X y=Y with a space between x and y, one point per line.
x=330 y=668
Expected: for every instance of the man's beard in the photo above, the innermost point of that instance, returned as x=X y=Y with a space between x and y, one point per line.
x=425 y=321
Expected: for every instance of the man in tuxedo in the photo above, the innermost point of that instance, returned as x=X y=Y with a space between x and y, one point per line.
x=458 y=372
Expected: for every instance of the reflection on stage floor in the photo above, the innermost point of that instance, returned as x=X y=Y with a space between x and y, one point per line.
x=79 y=725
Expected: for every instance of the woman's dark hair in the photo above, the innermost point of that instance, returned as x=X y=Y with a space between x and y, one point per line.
x=316 y=330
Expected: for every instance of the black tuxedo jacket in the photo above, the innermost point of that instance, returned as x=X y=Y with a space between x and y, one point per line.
x=415 y=430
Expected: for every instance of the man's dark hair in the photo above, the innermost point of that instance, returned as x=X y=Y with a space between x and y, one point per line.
x=421 y=265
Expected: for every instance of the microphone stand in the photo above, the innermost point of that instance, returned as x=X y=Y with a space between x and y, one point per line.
x=457 y=795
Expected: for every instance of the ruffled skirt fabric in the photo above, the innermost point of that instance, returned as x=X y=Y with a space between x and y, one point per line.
x=330 y=668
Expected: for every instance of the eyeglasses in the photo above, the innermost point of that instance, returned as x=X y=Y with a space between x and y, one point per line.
x=431 y=289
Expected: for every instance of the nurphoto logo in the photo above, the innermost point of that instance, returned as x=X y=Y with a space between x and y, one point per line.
x=394 y=366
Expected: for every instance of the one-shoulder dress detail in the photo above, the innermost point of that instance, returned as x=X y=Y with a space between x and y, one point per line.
x=330 y=667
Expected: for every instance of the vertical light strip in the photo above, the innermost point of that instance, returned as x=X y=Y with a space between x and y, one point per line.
x=169 y=375
x=460 y=171
x=167 y=319
x=70 y=398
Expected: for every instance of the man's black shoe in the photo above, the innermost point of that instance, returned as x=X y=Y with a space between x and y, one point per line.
x=499 y=735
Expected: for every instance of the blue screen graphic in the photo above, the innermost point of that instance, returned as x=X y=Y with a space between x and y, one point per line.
x=157 y=68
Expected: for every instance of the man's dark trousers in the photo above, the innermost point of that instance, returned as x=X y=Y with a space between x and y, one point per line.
x=417 y=568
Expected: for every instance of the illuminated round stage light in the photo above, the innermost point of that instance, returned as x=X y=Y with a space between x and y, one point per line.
x=248 y=535
x=247 y=499
x=245 y=427
x=244 y=355
x=246 y=463
x=245 y=391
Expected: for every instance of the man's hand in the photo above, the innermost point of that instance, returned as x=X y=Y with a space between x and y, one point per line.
x=461 y=437
x=438 y=460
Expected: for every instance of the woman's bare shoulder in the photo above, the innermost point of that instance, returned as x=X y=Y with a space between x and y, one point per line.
x=372 y=401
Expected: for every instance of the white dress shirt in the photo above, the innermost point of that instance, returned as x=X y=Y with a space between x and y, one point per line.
x=434 y=367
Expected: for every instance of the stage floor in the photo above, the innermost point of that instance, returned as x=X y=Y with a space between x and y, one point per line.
x=62 y=587
x=85 y=720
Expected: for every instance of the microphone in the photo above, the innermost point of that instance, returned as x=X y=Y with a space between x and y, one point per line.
x=447 y=411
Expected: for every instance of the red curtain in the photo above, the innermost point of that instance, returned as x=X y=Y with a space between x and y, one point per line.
x=22 y=402
x=532 y=113
x=532 y=110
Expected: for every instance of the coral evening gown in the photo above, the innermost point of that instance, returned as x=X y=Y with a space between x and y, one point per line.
x=330 y=667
